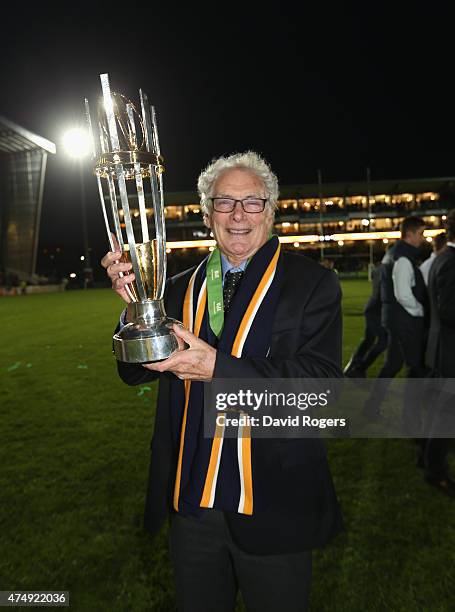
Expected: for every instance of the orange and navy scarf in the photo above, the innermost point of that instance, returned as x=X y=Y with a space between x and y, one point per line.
x=219 y=472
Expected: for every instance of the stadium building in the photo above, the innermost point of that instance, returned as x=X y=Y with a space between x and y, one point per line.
x=349 y=223
x=23 y=157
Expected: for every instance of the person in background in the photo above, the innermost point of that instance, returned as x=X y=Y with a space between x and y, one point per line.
x=439 y=244
x=374 y=341
x=329 y=264
x=404 y=300
x=440 y=358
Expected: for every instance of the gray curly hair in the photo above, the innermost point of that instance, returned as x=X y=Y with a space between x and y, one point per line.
x=250 y=160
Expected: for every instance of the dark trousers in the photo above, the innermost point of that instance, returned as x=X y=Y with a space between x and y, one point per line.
x=405 y=346
x=373 y=344
x=440 y=421
x=209 y=569
x=435 y=458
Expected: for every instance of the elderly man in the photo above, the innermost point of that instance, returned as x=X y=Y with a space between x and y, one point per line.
x=249 y=310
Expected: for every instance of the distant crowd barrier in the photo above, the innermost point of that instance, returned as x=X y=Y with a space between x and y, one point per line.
x=29 y=289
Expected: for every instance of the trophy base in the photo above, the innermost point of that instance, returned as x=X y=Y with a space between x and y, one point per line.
x=148 y=337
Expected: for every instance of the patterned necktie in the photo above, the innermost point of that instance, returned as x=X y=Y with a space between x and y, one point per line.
x=231 y=282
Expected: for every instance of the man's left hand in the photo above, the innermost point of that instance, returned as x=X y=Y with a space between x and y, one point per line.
x=194 y=363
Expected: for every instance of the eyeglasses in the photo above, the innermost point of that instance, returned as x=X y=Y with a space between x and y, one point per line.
x=249 y=205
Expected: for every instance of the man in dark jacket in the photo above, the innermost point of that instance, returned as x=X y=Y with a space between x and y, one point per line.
x=404 y=307
x=440 y=355
x=241 y=517
x=374 y=341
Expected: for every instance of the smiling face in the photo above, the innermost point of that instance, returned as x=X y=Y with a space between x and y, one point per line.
x=239 y=234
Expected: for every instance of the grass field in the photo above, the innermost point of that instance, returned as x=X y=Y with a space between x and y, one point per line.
x=74 y=455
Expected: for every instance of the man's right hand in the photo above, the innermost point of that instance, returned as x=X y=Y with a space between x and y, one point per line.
x=114 y=268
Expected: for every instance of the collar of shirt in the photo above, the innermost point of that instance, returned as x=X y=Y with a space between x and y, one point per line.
x=228 y=267
x=451 y=244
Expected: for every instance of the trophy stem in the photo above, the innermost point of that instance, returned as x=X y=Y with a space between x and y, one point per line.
x=150 y=311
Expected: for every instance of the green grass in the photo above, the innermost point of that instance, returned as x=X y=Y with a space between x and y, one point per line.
x=74 y=457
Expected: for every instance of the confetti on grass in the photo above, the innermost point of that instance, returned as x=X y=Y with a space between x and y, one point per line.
x=142 y=390
x=82 y=367
x=14 y=366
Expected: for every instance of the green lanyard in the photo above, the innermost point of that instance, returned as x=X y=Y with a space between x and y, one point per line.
x=215 y=292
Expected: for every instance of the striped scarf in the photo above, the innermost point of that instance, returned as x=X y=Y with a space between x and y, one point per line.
x=218 y=472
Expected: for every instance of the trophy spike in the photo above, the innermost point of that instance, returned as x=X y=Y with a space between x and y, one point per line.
x=109 y=233
x=155 y=130
x=138 y=174
x=90 y=128
x=115 y=215
x=110 y=114
x=100 y=187
x=131 y=127
x=101 y=194
x=160 y=210
x=141 y=202
x=158 y=203
x=103 y=208
x=146 y=122
x=113 y=134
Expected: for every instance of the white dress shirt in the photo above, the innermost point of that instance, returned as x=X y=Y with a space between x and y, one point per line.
x=403 y=278
x=228 y=267
x=426 y=267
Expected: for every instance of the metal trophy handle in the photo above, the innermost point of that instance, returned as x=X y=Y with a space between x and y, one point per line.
x=127 y=157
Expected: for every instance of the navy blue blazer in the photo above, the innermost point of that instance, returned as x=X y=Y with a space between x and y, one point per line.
x=440 y=356
x=303 y=511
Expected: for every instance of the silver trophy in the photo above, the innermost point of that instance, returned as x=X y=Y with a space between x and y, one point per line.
x=126 y=154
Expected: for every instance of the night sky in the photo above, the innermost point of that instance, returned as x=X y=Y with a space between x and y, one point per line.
x=333 y=88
